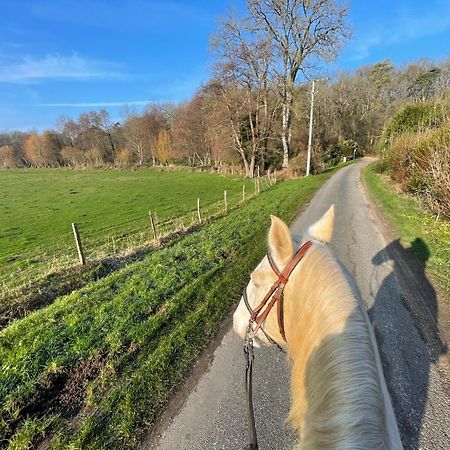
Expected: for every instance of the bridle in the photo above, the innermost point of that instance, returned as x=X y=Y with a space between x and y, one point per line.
x=257 y=317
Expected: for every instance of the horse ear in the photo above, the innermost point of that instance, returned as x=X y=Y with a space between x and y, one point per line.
x=280 y=242
x=322 y=230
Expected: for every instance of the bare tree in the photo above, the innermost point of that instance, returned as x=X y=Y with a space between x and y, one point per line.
x=242 y=73
x=302 y=32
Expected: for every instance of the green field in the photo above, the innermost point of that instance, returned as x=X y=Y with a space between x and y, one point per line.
x=37 y=207
x=94 y=368
x=411 y=220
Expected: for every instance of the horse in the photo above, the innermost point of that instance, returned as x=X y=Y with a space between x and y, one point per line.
x=339 y=397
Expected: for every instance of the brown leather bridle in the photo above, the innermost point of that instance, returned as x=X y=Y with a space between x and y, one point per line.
x=258 y=316
x=275 y=294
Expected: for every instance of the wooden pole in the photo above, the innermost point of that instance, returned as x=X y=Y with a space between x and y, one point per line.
x=225 y=200
x=153 y=225
x=76 y=234
x=243 y=193
x=198 y=211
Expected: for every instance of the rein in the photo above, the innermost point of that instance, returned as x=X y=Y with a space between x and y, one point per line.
x=257 y=317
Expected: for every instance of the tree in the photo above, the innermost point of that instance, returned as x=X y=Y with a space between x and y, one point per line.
x=242 y=74
x=94 y=136
x=302 y=33
x=8 y=156
x=141 y=132
x=163 y=147
x=136 y=137
x=424 y=86
x=42 y=150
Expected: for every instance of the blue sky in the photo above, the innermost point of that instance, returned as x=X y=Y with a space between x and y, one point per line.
x=69 y=56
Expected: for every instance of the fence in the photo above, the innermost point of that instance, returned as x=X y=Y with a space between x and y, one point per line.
x=125 y=238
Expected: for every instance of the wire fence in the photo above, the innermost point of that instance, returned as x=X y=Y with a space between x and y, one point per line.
x=125 y=238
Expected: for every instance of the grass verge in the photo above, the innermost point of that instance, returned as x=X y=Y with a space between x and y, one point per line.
x=410 y=220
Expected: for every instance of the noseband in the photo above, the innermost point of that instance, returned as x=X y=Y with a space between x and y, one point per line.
x=258 y=316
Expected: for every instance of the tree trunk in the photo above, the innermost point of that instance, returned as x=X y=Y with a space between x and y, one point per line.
x=246 y=167
x=286 y=131
x=251 y=168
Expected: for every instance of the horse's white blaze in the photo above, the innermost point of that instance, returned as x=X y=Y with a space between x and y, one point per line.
x=240 y=319
x=241 y=316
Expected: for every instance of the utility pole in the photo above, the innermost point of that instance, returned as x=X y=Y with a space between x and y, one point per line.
x=308 y=159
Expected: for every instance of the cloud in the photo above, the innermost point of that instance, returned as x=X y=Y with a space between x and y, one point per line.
x=56 y=67
x=403 y=26
x=97 y=104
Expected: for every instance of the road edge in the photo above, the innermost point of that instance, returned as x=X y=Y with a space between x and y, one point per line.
x=405 y=271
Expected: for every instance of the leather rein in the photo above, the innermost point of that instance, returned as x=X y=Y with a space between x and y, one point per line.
x=257 y=318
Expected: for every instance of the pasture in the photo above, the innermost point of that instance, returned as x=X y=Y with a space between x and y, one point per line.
x=94 y=368
x=37 y=207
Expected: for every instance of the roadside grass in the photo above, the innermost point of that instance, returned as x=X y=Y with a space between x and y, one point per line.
x=410 y=220
x=95 y=368
x=37 y=207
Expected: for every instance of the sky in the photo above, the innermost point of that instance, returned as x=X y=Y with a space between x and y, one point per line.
x=69 y=56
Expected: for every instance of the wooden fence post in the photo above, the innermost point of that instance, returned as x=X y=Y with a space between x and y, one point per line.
x=153 y=224
x=198 y=211
x=243 y=193
x=76 y=234
x=225 y=200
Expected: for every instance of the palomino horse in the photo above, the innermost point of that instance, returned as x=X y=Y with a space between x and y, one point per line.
x=339 y=395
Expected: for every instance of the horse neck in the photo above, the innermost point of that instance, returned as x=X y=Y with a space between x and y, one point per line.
x=336 y=394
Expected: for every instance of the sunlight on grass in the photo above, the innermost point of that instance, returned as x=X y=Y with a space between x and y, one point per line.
x=410 y=220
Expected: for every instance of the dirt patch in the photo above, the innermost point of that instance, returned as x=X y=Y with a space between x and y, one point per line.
x=60 y=393
x=71 y=399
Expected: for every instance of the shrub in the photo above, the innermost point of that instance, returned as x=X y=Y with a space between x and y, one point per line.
x=349 y=148
x=416 y=117
x=420 y=163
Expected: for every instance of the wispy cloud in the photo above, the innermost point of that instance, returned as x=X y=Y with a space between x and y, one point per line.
x=96 y=104
x=403 y=26
x=56 y=67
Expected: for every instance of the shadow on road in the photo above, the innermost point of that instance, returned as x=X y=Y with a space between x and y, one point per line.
x=408 y=376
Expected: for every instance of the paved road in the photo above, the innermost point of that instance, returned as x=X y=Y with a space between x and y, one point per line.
x=212 y=417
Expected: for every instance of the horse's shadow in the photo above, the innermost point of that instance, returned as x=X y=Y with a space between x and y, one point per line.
x=409 y=341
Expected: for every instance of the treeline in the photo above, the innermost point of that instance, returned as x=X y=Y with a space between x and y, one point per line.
x=213 y=128
x=253 y=113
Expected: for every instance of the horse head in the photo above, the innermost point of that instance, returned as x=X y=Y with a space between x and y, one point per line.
x=282 y=247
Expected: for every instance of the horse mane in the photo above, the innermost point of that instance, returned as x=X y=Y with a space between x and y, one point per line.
x=337 y=399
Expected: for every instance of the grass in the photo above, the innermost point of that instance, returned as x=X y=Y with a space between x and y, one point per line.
x=411 y=220
x=94 y=369
x=37 y=207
